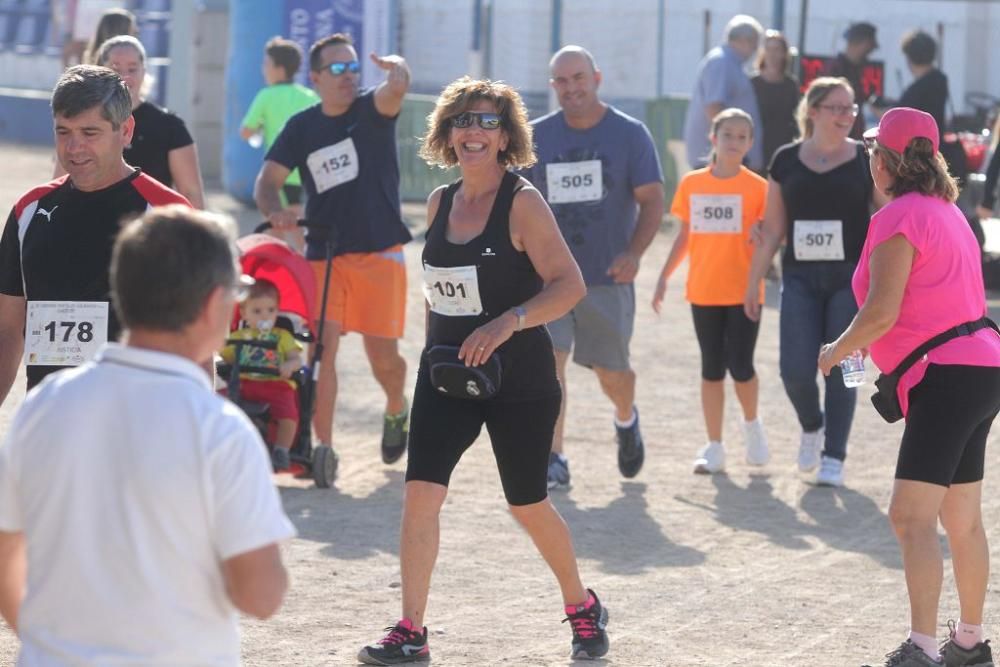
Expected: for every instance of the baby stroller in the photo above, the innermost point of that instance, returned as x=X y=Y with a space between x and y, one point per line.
x=268 y=258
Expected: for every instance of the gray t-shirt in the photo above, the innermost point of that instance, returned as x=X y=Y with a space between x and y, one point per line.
x=720 y=80
x=588 y=178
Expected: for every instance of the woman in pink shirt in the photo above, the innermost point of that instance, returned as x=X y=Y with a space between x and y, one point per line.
x=920 y=276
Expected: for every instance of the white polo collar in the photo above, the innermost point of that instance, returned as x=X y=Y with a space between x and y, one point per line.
x=153 y=361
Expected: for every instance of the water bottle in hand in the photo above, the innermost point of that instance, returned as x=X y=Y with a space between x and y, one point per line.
x=853 y=369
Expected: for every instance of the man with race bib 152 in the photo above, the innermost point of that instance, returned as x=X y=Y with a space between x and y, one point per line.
x=56 y=247
x=345 y=150
x=599 y=171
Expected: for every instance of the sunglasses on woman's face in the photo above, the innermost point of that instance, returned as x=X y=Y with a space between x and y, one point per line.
x=485 y=119
x=337 y=69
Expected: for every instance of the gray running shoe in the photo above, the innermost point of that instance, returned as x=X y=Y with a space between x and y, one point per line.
x=909 y=655
x=953 y=655
x=395 y=429
x=558 y=475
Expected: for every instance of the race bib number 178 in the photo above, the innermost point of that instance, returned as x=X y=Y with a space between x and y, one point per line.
x=64 y=333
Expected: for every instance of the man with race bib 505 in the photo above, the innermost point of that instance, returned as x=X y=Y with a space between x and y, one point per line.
x=345 y=150
x=56 y=247
x=600 y=173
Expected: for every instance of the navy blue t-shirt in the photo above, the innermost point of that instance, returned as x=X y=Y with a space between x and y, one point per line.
x=350 y=173
x=594 y=172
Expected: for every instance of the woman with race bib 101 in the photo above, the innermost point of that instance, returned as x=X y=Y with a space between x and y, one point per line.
x=718 y=207
x=496 y=269
x=819 y=201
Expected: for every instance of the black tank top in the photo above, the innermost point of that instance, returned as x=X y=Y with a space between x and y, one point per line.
x=504 y=277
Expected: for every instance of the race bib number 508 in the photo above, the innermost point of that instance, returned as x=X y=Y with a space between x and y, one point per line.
x=64 y=333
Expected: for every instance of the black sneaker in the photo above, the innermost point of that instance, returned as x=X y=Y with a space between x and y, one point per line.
x=631 y=451
x=395 y=429
x=590 y=640
x=953 y=655
x=402 y=644
x=280 y=459
x=909 y=655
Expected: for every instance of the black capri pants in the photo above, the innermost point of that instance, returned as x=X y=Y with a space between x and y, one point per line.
x=947 y=422
x=442 y=428
x=727 y=338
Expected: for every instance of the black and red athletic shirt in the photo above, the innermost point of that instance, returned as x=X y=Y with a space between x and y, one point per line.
x=58 y=240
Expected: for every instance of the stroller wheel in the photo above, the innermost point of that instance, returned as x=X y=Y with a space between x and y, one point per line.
x=324 y=466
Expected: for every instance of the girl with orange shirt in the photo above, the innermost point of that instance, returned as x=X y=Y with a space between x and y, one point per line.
x=718 y=207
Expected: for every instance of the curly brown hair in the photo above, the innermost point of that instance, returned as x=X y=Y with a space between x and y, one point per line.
x=918 y=169
x=458 y=97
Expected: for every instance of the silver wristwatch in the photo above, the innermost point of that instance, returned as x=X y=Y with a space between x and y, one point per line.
x=522 y=315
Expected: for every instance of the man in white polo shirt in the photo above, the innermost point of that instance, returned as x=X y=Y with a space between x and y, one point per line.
x=138 y=501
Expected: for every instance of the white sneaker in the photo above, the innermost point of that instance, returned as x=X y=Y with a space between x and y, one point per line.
x=831 y=472
x=757 y=453
x=810 y=447
x=711 y=459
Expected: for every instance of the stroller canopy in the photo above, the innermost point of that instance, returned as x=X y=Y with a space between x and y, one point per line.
x=268 y=258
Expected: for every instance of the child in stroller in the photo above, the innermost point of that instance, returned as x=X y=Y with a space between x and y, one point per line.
x=268 y=357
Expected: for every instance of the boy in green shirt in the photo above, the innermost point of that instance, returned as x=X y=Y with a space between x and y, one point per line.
x=274 y=105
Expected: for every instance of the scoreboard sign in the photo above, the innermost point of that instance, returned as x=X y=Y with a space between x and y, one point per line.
x=872 y=76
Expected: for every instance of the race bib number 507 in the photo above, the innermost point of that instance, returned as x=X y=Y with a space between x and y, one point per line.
x=64 y=333
x=819 y=240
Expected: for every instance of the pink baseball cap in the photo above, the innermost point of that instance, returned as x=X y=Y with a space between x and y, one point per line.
x=901 y=124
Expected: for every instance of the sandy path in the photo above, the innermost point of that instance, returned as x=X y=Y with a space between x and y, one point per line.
x=741 y=569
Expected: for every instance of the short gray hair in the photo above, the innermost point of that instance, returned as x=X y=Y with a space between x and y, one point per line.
x=166 y=264
x=119 y=40
x=573 y=48
x=84 y=87
x=743 y=26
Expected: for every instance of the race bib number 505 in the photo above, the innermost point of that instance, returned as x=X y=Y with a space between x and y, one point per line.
x=333 y=165
x=452 y=291
x=64 y=333
x=571 y=182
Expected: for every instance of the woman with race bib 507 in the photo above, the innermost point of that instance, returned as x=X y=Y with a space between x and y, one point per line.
x=819 y=201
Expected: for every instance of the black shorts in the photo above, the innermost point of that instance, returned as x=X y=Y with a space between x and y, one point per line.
x=293 y=194
x=442 y=428
x=727 y=338
x=949 y=416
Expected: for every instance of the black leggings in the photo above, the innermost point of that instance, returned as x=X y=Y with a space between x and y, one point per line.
x=949 y=416
x=727 y=338
x=442 y=428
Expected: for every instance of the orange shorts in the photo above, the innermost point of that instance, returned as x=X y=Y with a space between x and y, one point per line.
x=367 y=292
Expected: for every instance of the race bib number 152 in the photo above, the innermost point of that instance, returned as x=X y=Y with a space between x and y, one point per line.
x=333 y=165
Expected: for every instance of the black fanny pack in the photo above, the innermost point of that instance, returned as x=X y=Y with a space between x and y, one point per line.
x=452 y=377
x=886 y=399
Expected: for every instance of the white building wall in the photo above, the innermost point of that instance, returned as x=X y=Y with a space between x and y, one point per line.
x=623 y=35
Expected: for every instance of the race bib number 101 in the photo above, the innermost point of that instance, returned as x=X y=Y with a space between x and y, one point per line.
x=452 y=291
x=333 y=165
x=64 y=333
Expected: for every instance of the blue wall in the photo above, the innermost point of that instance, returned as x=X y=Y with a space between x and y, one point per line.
x=251 y=24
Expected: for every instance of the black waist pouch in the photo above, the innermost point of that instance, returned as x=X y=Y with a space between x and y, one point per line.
x=886 y=398
x=452 y=377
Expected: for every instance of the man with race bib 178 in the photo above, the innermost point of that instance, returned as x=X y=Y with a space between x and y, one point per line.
x=345 y=150
x=56 y=247
x=600 y=173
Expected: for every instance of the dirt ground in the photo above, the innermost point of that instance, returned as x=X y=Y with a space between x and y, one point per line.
x=752 y=568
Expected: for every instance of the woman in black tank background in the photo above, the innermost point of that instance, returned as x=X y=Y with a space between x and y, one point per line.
x=496 y=269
